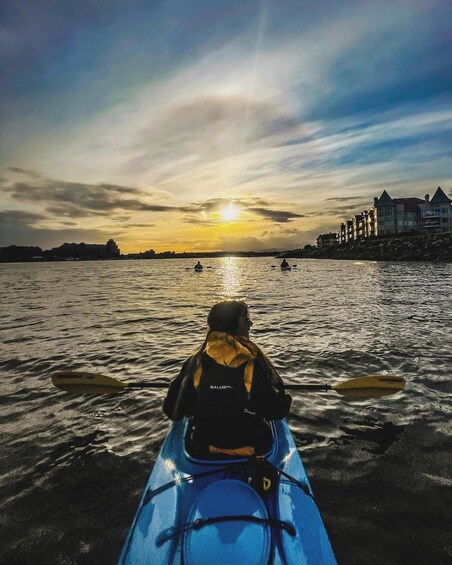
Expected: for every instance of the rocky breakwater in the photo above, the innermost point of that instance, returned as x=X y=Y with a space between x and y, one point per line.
x=426 y=247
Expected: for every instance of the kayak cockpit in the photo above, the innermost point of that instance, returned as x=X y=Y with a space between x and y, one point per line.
x=201 y=454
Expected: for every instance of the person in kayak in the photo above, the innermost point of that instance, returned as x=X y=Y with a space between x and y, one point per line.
x=229 y=389
x=199 y=266
x=284 y=264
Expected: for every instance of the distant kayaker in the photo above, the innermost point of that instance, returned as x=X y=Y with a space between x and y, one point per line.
x=198 y=266
x=229 y=388
x=284 y=264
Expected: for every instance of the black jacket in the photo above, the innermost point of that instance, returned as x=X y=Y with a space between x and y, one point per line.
x=237 y=422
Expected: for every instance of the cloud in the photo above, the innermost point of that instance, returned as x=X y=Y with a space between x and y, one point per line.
x=26 y=172
x=146 y=226
x=342 y=198
x=203 y=130
x=361 y=205
x=78 y=200
x=205 y=209
x=342 y=205
x=251 y=244
x=274 y=240
x=19 y=216
x=279 y=216
x=22 y=228
x=215 y=204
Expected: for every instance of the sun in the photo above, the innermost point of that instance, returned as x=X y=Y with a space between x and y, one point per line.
x=230 y=213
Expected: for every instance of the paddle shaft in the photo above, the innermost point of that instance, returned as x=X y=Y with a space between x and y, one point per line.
x=324 y=387
x=363 y=387
x=158 y=384
x=145 y=384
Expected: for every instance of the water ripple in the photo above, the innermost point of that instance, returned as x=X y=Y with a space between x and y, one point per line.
x=324 y=322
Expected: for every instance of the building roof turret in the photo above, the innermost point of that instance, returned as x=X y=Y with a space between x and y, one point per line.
x=384 y=200
x=439 y=196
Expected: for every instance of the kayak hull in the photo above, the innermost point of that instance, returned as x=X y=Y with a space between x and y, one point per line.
x=221 y=495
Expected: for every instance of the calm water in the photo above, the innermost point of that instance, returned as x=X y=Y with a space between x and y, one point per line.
x=73 y=467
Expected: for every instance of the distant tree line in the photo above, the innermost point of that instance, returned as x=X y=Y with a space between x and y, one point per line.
x=65 y=252
x=92 y=252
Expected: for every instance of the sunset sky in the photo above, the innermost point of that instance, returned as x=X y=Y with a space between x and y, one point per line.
x=217 y=125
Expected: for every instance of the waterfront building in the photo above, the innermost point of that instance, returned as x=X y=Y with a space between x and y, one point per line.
x=358 y=226
x=326 y=240
x=346 y=231
x=370 y=222
x=392 y=216
x=397 y=215
x=112 y=249
x=349 y=230
x=436 y=214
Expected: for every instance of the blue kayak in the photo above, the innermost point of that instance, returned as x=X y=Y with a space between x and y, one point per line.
x=196 y=512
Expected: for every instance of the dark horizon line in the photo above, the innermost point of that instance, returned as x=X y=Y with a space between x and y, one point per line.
x=153 y=252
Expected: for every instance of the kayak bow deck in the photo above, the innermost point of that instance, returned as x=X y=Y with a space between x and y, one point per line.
x=195 y=512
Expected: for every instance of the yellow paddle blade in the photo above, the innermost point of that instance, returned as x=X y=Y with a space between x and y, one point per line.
x=370 y=386
x=82 y=382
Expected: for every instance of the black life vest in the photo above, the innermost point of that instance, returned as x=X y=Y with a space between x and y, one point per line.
x=221 y=392
x=224 y=418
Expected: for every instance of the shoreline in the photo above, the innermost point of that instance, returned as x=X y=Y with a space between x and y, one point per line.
x=425 y=247
x=415 y=247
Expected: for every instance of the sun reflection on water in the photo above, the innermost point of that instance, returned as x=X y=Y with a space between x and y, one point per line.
x=231 y=279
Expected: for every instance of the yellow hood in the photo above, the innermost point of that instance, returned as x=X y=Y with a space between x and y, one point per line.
x=229 y=351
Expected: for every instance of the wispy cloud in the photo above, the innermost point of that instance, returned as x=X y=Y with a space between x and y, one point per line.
x=343 y=199
x=78 y=200
x=279 y=216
